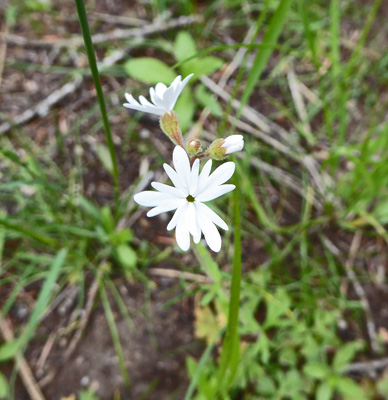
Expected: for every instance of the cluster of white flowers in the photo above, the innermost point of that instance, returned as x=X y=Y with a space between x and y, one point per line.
x=192 y=188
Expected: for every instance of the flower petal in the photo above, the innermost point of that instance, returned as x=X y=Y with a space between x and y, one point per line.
x=175 y=178
x=194 y=177
x=165 y=207
x=170 y=190
x=213 y=192
x=191 y=219
x=179 y=86
x=176 y=217
x=203 y=176
x=212 y=236
x=150 y=198
x=182 y=165
x=160 y=88
x=182 y=234
x=210 y=214
x=222 y=174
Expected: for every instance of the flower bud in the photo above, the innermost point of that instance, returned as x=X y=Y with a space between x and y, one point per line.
x=194 y=147
x=221 y=148
x=170 y=125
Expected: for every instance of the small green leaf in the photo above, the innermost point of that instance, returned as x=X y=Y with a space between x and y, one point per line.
x=316 y=370
x=149 y=70
x=324 y=391
x=349 y=389
x=3 y=387
x=184 y=46
x=126 y=255
x=9 y=350
x=345 y=354
x=206 y=99
x=202 y=66
x=87 y=395
x=107 y=219
x=105 y=158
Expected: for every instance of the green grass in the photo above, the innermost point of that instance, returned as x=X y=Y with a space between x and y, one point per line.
x=279 y=285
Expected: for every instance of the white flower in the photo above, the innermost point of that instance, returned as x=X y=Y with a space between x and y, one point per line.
x=162 y=97
x=191 y=190
x=233 y=143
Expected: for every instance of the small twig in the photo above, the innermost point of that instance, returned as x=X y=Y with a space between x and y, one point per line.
x=171 y=273
x=298 y=100
x=119 y=19
x=370 y=324
x=24 y=370
x=116 y=34
x=368 y=367
x=85 y=317
x=3 y=49
x=43 y=107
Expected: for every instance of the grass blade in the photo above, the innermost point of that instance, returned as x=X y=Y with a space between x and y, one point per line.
x=262 y=56
x=96 y=78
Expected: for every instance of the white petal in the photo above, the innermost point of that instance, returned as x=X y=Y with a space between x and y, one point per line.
x=150 y=198
x=168 y=98
x=155 y=98
x=178 y=89
x=182 y=165
x=173 y=191
x=176 y=179
x=176 y=217
x=210 y=214
x=222 y=174
x=212 y=192
x=131 y=99
x=160 y=88
x=191 y=219
x=212 y=236
x=203 y=176
x=165 y=207
x=182 y=234
x=194 y=177
x=145 y=102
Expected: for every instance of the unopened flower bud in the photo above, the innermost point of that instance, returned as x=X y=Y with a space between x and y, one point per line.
x=221 y=148
x=170 y=125
x=194 y=147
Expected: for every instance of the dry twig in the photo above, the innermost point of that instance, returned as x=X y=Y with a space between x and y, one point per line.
x=116 y=34
x=26 y=375
x=370 y=324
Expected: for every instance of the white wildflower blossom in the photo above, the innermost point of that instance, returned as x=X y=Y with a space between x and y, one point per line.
x=190 y=191
x=163 y=98
x=233 y=143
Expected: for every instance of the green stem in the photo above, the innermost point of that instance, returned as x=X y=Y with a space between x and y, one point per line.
x=97 y=83
x=230 y=347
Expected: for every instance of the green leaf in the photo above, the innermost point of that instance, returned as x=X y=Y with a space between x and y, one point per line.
x=105 y=158
x=126 y=255
x=324 y=391
x=107 y=220
x=203 y=66
x=149 y=70
x=3 y=387
x=184 y=46
x=316 y=370
x=9 y=350
x=87 y=395
x=208 y=100
x=350 y=389
x=345 y=354
x=185 y=108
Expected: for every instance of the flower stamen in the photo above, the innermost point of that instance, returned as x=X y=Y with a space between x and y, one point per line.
x=190 y=198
